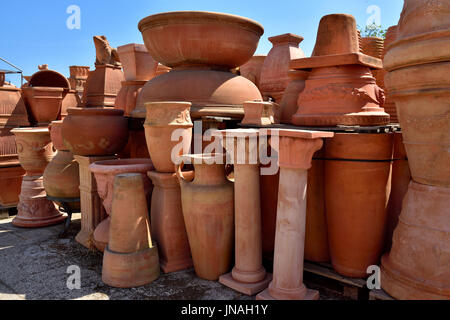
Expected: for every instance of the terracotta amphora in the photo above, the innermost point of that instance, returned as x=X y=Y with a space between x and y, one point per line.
x=274 y=73
x=288 y=104
x=164 y=120
x=131 y=259
x=95 y=131
x=357 y=169
x=208 y=210
x=252 y=69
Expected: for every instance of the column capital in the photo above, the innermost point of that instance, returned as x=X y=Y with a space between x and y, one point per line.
x=242 y=145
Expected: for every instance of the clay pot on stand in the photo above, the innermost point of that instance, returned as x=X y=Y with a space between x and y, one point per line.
x=357 y=168
x=35 y=153
x=288 y=104
x=105 y=173
x=252 y=69
x=44 y=103
x=274 y=73
x=208 y=210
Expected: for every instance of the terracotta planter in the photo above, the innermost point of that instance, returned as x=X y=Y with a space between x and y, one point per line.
x=44 y=103
x=13 y=112
x=131 y=259
x=208 y=210
x=138 y=64
x=340 y=89
x=127 y=97
x=95 y=132
x=356 y=195
x=163 y=118
x=102 y=86
x=259 y=113
x=201 y=75
x=71 y=100
x=274 y=73
x=10 y=184
x=252 y=69
x=288 y=104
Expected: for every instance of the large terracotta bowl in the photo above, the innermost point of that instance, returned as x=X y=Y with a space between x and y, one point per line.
x=194 y=38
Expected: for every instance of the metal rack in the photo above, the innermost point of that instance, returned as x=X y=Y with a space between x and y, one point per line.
x=17 y=71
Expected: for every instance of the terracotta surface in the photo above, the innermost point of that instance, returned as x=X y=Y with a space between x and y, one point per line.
x=161 y=69
x=95 y=132
x=201 y=75
x=295 y=150
x=10 y=184
x=208 y=196
x=44 y=103
x=78 y=77
x=92 y=211
x=248 y=276
x=102 y=86
x=373 y=46
x=252 y=69
x=8 y=149
x=340 y=89
x=274 y=73
x=138 y=64
x=137 y=145
x=101 y=235
x=13 y=112
x=48 y=78
x=259 y=113
x=71 y=100
x=356 y=196
x=163 y=118
x=389 y=106
x=288 y=104
x=131 y=259
x=35 y=152
x=127 y=97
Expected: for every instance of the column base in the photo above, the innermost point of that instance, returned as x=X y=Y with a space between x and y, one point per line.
x=24 y=222
x=310 y=295
x=249 y=289
x=86 y=239
x=174 y=266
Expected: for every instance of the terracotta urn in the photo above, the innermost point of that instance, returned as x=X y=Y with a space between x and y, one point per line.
x=274 y=73
x=208 y=209
x=259 y=113
x=357 y=169
x=138 y=64
x=163 y=120
x=105 y=173
x=252 y=69
x=340 y=89
x=44 y=103
x=131 y=258
x=95 y=132
x=200 y=75
x=288 y=104
x=35 y=153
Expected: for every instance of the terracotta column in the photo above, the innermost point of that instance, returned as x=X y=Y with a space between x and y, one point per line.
x=296 y=149
x=92 y=211
x=248 y=276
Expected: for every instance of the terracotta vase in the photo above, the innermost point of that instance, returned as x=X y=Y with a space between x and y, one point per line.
x=131 y=259
x=200 y=75
x=35 y=153
x=44 y=103
x=138 y=64
x=288 y=104
x=10 y=184
x=102 y=86
x=274 y=73
x=340 y=89
x=127 y=97
x=163 y=118
x=95 y=132
x=252 y=69
x=13 y=112
x=259 y=113
x=208 y=210
x=357 y=171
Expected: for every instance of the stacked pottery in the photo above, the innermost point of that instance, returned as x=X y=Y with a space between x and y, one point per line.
x=200 y=75
x=35 y=153
x=168 y=131
x=274 y=73
x=418 y=64
x=288 y=104
x=252 y=69
x=340 y=89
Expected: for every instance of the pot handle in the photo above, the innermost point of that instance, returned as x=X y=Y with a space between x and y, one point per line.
x=179 y=173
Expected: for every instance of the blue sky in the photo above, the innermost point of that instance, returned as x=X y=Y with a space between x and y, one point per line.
x=35 y=32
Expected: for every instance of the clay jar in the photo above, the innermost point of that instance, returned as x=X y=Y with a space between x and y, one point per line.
x=163 y=118
x=274 y=73
x=95 y=132
x=357 y=171
x=288 y=104
x=252 y=69
x=208 y=210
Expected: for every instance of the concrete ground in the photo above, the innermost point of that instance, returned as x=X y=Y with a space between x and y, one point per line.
x=34 y=263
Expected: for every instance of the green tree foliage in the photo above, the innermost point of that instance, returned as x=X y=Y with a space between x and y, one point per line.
x=373 y=30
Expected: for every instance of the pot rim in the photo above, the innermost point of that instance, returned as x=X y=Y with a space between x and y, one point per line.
x=166 y=103
x=94 y=111
x=30 y=130
x=139 y=165
x=202 y=157
x=182 y=17
x=40 y=88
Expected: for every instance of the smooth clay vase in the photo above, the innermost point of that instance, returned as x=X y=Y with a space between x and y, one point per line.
x=208 y=210
x=252 y=69
x=35 y=153
x=274 y=73
x=131 y=259
x=105 y=173
x=288 y=104
x=357 y=169
x=418 y=64
x=95 y=132
x=200 y=75
x=163 y=118
x=340 y=89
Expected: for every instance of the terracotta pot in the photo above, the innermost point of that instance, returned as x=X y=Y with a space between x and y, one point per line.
x=252 y=69
x=130 y=260
x=356 y=195
x=95 y=132
x=44 y=103
x=208 y=210
x=258 y=113
x=127 y=97
x=71 y=100
x=79 y=72
x=102 y=86
x=373 y=46
x=49 y=78
x=13 y=112
x=138 y=64
x=274 y=73
x=163 y=118
x=288 y=104
x=10 y=184
x=416 y=269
